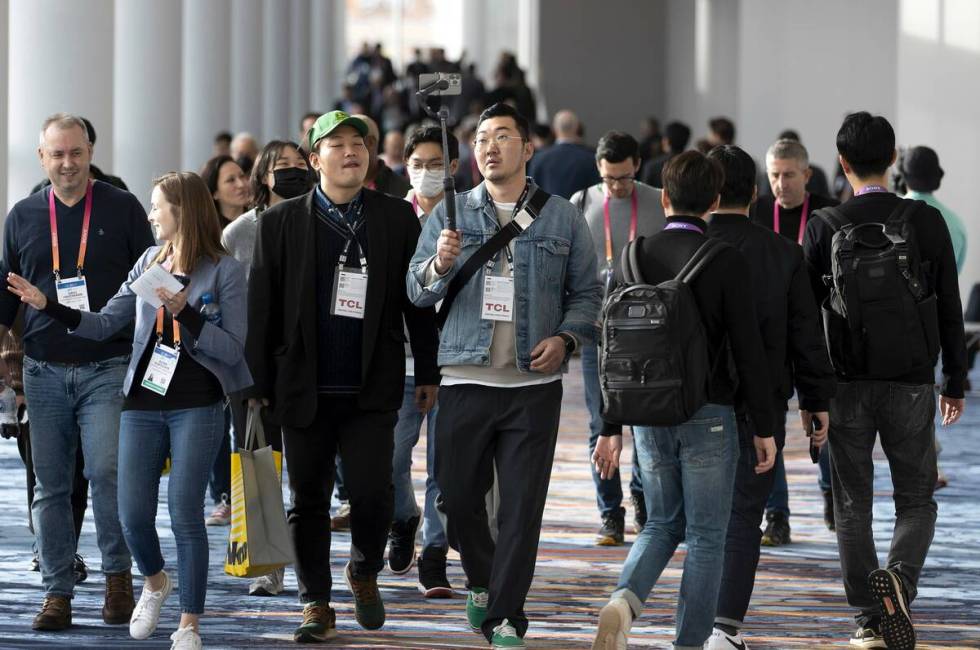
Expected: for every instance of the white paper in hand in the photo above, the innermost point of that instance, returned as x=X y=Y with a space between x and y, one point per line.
x=146 y=285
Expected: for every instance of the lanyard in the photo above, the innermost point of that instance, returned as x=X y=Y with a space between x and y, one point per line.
x=868 y=189
x=358 y=224
x=83 y=246
x=683 y=225
x=160 y=328
x=605 y=211
x=803 y=216
x=517 y=210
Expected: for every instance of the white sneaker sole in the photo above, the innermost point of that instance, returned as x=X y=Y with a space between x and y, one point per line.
x=613 y=625
x=437 y=592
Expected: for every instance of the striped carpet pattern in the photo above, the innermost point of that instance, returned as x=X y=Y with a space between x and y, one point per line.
x=798 y=600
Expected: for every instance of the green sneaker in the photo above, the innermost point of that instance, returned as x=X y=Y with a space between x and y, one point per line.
x=369 y=610
x=319 y=623
x=476 y=607
x=505 y=636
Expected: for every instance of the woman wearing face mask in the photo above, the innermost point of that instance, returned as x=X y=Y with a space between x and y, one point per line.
x=280 y=173
x=182 y=366
x=228 y=185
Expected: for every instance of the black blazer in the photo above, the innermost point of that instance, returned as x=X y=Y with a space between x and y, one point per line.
x=282 y=332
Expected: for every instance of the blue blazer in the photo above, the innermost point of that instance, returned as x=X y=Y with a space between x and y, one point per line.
x=219 y=349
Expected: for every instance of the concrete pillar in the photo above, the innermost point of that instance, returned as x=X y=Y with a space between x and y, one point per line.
x=4 y=40
x=299 y=65
x=246 y=67
x=59 y=59
x=275 y=69
x=327 y=48
x=147 y=92
x=205 y=65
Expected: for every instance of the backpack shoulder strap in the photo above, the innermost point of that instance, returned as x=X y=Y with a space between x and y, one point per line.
x=903 y=212
x=584 y=199
x=630 y=262
x=701 y=258
x=833 y=217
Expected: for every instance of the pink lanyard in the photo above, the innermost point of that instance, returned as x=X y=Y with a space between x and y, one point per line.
x=83 y=245
x=803 y=216
x=605 y=211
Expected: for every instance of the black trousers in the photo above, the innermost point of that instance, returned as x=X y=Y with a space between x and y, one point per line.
x=365 y=440
x=744 y=536
x=79 y=490
x=903 y=415
x=516 y=429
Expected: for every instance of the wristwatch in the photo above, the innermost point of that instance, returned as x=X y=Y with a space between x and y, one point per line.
x=569 y=343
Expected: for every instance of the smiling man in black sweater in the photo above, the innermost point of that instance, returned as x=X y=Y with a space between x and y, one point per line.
x=688 y=470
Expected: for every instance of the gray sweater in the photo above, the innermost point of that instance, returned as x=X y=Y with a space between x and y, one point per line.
x=238 y=238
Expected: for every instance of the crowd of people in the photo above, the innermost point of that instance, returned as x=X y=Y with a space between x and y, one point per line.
x=319 y=287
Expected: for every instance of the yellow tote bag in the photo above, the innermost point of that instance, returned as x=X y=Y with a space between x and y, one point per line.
x=258 y=541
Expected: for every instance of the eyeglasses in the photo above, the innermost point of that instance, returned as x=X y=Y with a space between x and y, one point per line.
x=502 y=140
x=622 y=180
x=434 y=166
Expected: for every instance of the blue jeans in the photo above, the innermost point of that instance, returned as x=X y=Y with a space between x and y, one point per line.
x=71 y=404
x=191 y=437
x=688 y=478
x=609 y=492
x=219 y=483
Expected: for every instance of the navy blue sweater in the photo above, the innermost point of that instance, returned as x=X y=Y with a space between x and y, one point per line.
x=118 y=235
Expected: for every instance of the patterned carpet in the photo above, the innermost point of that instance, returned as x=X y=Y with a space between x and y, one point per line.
x=798 y=600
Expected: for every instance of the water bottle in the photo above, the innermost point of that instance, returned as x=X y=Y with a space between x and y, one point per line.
x=8 y=407
x=211 y=310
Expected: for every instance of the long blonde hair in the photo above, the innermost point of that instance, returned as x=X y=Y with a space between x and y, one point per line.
x=198 y=229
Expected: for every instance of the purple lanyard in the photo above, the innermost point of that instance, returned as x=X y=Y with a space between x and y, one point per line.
x=868 y=189
x=683 y=225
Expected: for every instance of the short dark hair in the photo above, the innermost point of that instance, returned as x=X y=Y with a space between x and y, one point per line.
x=501 y=109
x=616 y=146
x=740 y=175
x=867 y=143
x=724 y=128
x=544 y=132
x=790 y=134
x=692 y=182
x=261 y=193
x=678 y=135
x=307 y=116
x=222 y=136
x=431 y=134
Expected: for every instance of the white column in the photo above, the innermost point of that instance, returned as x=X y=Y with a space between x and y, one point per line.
x=59 y=59
x=146 y=98
x=4 y=40
x=327 y=46
x=275 y=72
x=205 y=66
x=246 y=66
x=299 y=66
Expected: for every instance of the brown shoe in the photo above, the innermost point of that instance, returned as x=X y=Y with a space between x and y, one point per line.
x=119 y=601
x=341 y=522
x=55 y=614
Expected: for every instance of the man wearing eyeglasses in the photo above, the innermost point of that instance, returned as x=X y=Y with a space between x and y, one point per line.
x=618 y=209
x=509 y=324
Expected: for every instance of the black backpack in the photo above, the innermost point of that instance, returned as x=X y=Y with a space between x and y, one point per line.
x=880 y=318
x=653 y=352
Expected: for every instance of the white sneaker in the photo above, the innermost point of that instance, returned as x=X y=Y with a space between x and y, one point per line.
x=720 y=640
x=186 y=638
x=268 y=585
x=146 y=614
x=615 y=620
x=505 y=637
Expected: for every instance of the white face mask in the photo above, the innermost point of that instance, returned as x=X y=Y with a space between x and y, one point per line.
x=426 y=182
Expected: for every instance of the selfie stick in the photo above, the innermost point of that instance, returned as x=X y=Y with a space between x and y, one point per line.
x=448 y=184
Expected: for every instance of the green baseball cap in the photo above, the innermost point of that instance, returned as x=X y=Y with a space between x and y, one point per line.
x=328 y=122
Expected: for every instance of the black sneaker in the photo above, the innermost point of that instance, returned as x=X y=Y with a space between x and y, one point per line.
x=639 y=512
x=896 y=622
x=612 y=530
x=828 y=510
x=868 y=636
x=81 y=571
x=433 y=582
x=401 y=545
x=777 y=529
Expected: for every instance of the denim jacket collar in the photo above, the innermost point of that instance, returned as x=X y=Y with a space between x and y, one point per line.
x=479 y=197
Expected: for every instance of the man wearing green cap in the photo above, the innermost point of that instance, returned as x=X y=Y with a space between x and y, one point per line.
x=326 y=303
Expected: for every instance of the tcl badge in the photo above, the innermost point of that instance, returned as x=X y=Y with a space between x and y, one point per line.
x=349 y=294
x=498 y=298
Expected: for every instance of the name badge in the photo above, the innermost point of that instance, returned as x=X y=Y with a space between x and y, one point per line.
x=349 y=294
x=73 y=292
x=163 y=364
x=498 y=298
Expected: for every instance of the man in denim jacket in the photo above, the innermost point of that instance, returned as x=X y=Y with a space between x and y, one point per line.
x=502 y=349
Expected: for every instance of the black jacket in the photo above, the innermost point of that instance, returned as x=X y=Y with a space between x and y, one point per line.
x=789 y=321
x=388 y=182
x=282 y=335
x=936 y=255
x=722 y=291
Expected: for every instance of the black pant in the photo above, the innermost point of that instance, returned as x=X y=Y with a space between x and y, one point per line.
x=516 y=428
x=239 y=418
x=365 y=440
x=902 y=414
x=79 y=490
x=219 y=484
x=743 y=536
